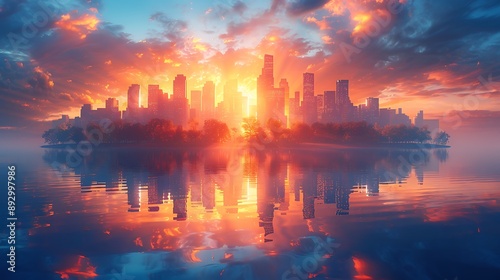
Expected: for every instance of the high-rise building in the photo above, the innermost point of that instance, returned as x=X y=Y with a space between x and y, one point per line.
x=342 y=93
x=154 y=95
x=208 y=100
x=112 y=104
x=276 y=105
x=180 y=87
x=86 y=111
x=133 y=97
x=230 y=90
x=179 y=101
x=196 y=103
x=286 y=89
x=265 y=86
x=295 y=114
x=372 y=110
x=309 y=108
x=320 y=106
x=345 y=108
x=329 y=103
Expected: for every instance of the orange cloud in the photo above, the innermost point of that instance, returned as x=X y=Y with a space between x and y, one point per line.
x=81 y=25
x=322 y=24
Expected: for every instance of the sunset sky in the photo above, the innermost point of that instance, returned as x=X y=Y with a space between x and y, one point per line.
x=438 y=56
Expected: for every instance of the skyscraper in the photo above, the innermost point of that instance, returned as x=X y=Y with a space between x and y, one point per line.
x=372 y=110
x=344 y=105
x=133 y=96
x=309 y=103
x=154 y=95
x=342 y=93
x=180 y=87
x=329 y=112
x=196 y=102
x=179 y=101
x=230 y=90
x=208 y=100
x=265 y=85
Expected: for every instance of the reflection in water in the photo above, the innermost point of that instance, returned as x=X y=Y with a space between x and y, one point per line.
x=230 y=213
x=174 y=177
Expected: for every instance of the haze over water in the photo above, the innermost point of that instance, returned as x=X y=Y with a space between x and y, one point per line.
x=231 y=213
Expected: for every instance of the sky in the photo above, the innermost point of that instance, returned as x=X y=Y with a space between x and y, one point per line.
x=436 y=56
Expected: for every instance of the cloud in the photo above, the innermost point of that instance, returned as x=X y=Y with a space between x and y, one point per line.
x=429 y=51
x=299 y=7
x=173 y=29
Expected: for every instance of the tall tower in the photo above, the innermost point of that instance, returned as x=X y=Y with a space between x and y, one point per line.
x=208 y=100
x=133 y=96
x=230 y=91
x=329 y=115
x=372 y=110
x=342 y=97
x=344 y=105
x=154 y=99
x=196 y=100
x=180 y=87
x=179 y=101
x=265 y=85
x=309 y=103
x=286 y=90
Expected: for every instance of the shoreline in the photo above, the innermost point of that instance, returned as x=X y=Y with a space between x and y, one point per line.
x=295 y=146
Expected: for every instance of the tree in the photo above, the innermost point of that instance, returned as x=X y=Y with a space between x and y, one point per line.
x=276 y=128
x=442 y=138
x=50 y=136
x=216 y=131
x=251 y=128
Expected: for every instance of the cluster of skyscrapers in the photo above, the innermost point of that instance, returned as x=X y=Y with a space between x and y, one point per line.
x=272 y=102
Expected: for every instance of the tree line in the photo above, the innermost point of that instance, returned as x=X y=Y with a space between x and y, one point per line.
x=273 y=132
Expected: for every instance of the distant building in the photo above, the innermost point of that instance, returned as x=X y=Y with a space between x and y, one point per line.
x=329 y=106
x=133 y=96
x=309 y=108
x=195 y=104
x=431 y=124
x=265 y=86
x=154 y=99
x=180 y=107
x=345 y=108
x=372 y=110
x=320 y=107
x=208 y=100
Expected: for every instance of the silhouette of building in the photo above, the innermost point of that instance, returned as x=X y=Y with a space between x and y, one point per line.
x=372 y=110
x=154 y=99
x=295 y=110
x=286 y=91
x=265 y=86
x=401 y=118
x=309 y=109
x=329 y=106
x=195 y=104
x=344 y=104
x=133 y=96
x=208 y=100
x=431 y=124
x=320 y=106
x=179 y=101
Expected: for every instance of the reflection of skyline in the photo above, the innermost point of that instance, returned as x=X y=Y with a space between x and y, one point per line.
x=191 y=180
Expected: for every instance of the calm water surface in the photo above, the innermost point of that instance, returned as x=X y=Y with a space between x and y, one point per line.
x=240 y=214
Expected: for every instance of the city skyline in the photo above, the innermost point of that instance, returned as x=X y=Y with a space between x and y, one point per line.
x=334 y=106
x=407 y=59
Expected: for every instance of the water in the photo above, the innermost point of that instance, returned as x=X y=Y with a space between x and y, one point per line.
x=231 y=213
